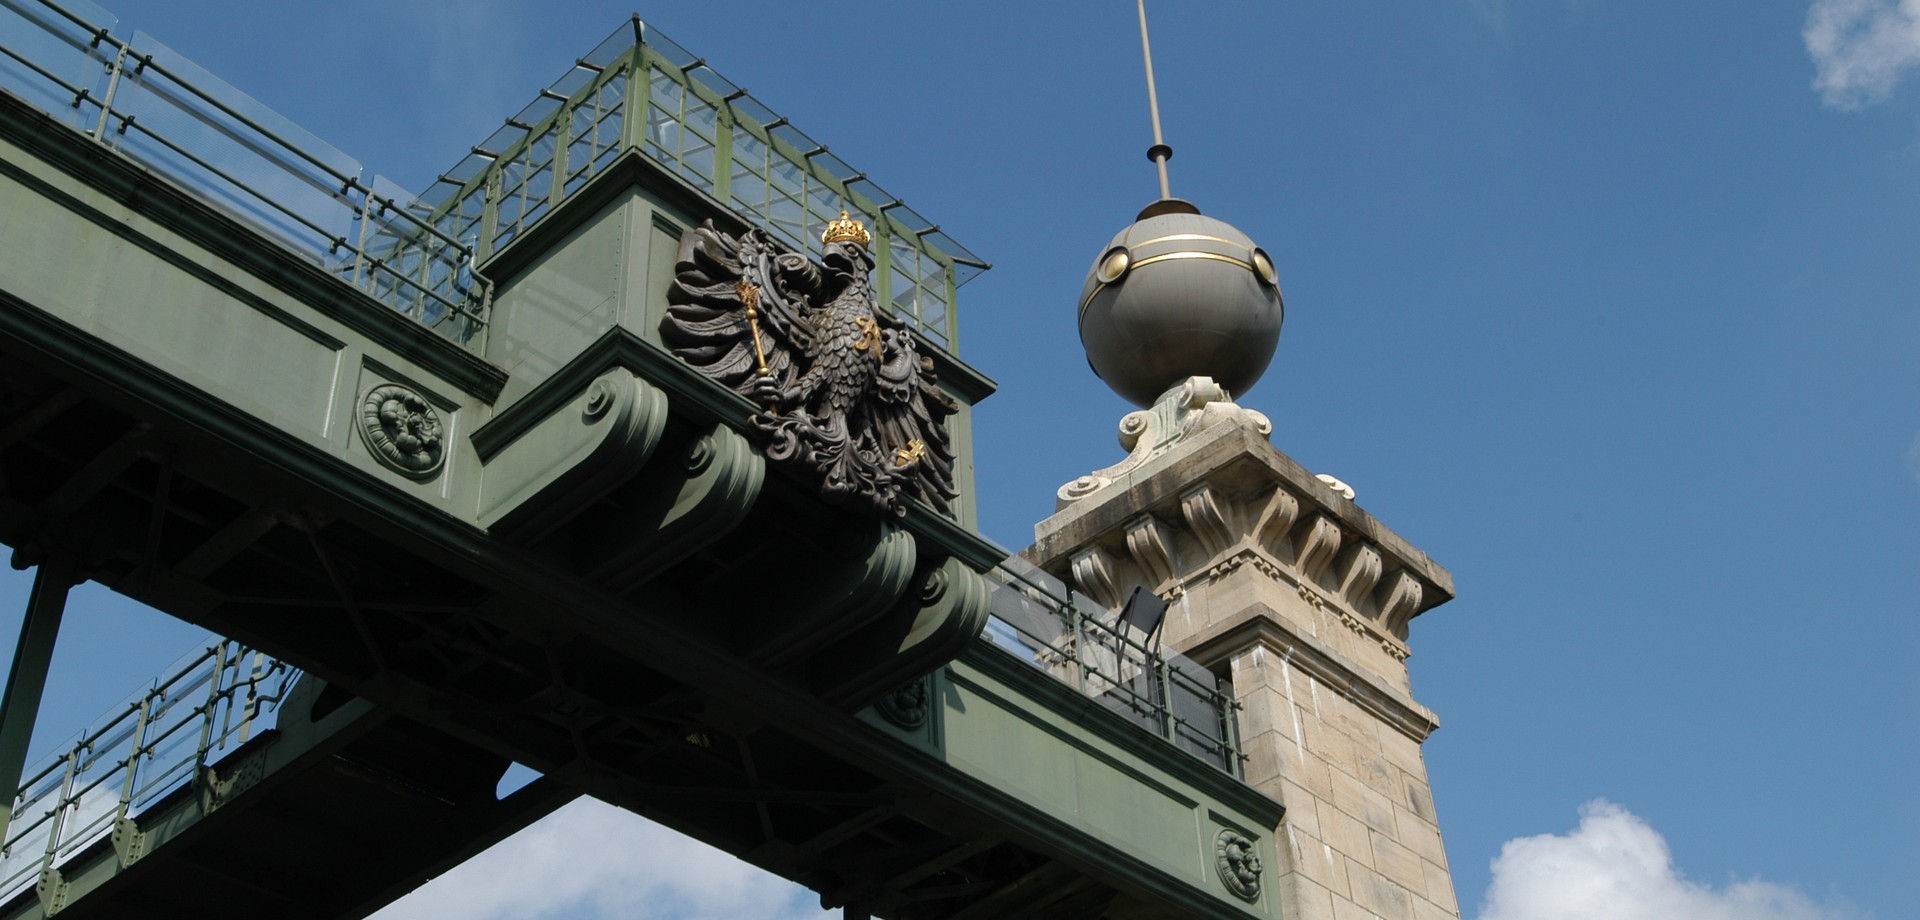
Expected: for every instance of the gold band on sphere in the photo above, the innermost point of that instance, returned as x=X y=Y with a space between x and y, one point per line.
x=1190 y=254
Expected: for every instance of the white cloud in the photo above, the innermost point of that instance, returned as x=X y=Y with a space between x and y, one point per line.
x=1615 y=866
x=1861 y=48
x=592 y=861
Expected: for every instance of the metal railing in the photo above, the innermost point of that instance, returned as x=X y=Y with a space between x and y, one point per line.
x=164 y=736
x=1082 y=644
x=138 y=97
x=639 y=90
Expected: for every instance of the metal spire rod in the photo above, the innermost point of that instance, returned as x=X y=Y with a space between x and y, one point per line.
x=1159 y=153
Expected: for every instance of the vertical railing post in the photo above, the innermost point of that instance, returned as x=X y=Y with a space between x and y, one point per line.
x=489 y=209
x=253 y=695
x=1164 y=702
x=206 y=713
x=633 y=123
x=27 y=682
x=113 y=85
x=1079 y=647
x=422 y=293
x=132 y=763
x=61 y=804
x=723 y=153
x=953 y=312
x=1229 y=728
x=360 y=249
x=562 y=139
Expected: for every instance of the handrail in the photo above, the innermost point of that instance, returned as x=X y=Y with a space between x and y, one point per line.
x=1038 y=620
x=205 y=706
x=220 y=145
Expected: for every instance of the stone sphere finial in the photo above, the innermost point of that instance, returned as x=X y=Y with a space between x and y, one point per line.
x=1176 y=295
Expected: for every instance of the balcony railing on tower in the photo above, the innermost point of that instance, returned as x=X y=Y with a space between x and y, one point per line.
x=422 y=256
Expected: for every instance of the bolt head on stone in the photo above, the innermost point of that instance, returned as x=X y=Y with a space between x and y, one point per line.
x=1176 y=295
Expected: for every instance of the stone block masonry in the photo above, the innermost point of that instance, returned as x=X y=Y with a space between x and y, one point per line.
x=1285 y=587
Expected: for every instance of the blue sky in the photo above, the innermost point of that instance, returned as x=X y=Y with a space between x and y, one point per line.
x=1608 y=306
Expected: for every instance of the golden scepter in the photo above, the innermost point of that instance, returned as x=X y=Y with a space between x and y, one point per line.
x=750 y=295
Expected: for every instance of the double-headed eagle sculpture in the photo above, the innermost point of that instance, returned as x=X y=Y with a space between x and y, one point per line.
x=845 y=396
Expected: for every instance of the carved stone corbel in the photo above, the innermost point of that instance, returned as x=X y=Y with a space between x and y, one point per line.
x=1093 y=576
x=1315 y=542
x=1147 y=543
x=1399 y=599
x=1275 y=521
x=1359 y=570
x=1211 y=519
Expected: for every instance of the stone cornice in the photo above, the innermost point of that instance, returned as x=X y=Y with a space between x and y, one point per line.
x=1259 y=625
x=1234 y=451
x=1224 y=497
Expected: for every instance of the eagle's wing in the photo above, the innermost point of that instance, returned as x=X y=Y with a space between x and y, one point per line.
x=708 y=323
x=909 y=416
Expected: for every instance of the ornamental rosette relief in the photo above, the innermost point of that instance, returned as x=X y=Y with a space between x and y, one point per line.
x=1238 y=864
x=402 y=431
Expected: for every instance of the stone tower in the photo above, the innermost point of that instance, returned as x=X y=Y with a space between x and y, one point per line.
x=1278 y=582
x=1274 y=579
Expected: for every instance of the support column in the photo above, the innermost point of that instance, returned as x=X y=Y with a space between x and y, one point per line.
x=28 y=679
x=1278 y=581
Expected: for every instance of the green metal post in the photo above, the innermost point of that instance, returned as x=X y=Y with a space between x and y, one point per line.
x=28 y=679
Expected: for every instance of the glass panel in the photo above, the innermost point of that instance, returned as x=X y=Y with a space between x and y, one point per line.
x=540 y=152
x=664 y=129
x=751 y=108
x=540 y=184
x=817 y=223
x=579 y=158
x=749 y=149
x=787 y=219
x=613 y=47
x=698 y=157
x=751 y=189
x=703 y=119
x=510 y=208
x=695 y=179
x=787 y=177
x=668 y=48
x=537 y=110
x=933 y=314
x=822 y=200
x=571 y=82
x=905 y=258
x=933 y=275
x=902 y=294
x=607 y=136
x=711 y=79
x=606 y=156
x=58 y=46
x=664 y=92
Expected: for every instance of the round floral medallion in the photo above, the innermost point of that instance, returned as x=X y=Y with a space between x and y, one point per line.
x=905 y=707
x=402 y=431
x=1238 y=864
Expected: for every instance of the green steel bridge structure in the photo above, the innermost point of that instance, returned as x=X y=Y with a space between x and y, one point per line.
x=592 y=571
